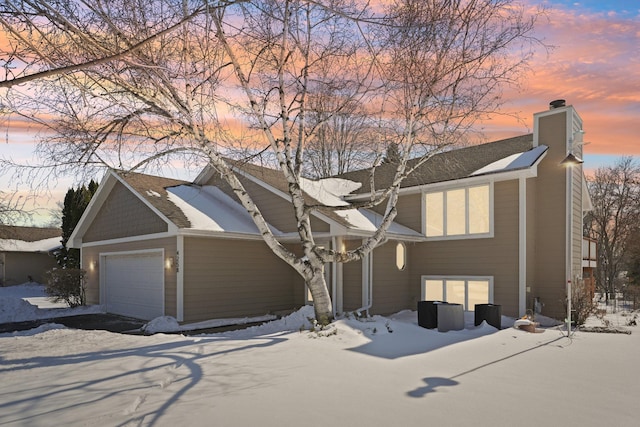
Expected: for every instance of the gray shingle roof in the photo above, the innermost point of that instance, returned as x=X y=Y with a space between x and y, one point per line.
x=445 y=166
x=153 y=189
x=28 y=234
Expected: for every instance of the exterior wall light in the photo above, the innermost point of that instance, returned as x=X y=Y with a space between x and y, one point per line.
x=571 y=160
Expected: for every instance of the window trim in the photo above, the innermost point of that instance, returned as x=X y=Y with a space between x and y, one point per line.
x=444 y=189
x=466 y=279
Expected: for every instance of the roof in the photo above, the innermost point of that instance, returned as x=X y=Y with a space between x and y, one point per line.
x=446 y=166
x=199 y=207
x=191 y=206
x=29 y=239
x=209 y=208
x=28 y=234
x=154 y=190
x=500 y=156
x=327 y=192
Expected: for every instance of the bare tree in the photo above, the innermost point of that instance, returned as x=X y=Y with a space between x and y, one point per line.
x=129 y=84
x=613 y=222
x=11 y=208
x=341 y=137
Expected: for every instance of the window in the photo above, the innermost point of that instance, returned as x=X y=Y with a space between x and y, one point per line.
x=459 y=212
x=401 y=256
x=467 y=291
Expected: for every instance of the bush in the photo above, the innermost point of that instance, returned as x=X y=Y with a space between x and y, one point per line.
x=66 y=284
x=582 y=301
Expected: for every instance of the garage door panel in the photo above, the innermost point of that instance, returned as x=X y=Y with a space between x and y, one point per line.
x=134 y=284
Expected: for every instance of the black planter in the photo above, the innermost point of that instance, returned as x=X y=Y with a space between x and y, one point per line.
x=492 y=313
x=428 y=314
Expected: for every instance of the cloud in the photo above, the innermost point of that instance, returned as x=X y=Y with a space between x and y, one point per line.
x=595 y=66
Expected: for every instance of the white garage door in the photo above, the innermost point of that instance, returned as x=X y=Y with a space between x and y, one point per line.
x=134 y=284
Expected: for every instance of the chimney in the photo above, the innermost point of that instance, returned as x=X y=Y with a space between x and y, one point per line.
x=557 y=104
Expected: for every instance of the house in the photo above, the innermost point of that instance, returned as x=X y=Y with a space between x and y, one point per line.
x=494 y=223
x=26 y=253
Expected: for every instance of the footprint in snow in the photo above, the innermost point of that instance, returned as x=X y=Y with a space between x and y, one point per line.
x=135 y=405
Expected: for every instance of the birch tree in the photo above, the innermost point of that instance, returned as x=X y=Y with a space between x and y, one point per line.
x=132 y=84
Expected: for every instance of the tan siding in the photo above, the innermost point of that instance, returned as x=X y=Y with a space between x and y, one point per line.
x=497 y=256
x=577 y=223
x=276 y=210
x=123 y=215
x=550 y=217
x=18 y=266
x=299 y=288
x=352 y=281
x=391 y=286
x=410 y=211
x=531 y=242
x=92 y=255
x=233 y=278
x=409 y=208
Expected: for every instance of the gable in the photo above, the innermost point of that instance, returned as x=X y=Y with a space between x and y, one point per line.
x=122 y=214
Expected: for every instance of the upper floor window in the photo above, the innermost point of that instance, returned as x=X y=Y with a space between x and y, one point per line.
x=459 y=212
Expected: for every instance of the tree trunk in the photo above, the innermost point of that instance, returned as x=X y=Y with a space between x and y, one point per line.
x=321 y=298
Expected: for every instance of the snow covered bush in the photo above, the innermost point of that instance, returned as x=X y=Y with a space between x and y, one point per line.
x=66 y=284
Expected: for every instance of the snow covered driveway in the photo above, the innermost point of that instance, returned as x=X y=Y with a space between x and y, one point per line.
x=381 y=373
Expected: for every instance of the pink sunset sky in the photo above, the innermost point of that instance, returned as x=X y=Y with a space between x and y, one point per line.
x=594 y=65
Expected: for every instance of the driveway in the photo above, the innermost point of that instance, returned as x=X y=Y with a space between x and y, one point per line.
x=98 y=321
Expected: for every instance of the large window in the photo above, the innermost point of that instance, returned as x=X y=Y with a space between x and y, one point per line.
x=459 y=212
x=467 y=291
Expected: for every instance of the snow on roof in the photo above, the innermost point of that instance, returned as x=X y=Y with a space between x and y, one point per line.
x=208 y=208
x=45 y=245
x=329 y=191
x=515 y=161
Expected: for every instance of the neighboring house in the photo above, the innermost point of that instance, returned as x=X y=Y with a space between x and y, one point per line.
x=26 y=253
x=493 y=223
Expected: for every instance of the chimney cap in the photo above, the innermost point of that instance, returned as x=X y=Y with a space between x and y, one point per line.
x=557 y=104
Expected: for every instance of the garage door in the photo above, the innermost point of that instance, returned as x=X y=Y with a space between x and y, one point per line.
x=134 y=284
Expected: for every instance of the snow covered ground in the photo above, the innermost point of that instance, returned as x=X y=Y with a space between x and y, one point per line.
x=381 y=372
x=29 y=301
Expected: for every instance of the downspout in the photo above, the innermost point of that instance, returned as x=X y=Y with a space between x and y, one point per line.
x=367 y=283
x=334 y=279
x=179 y=265
x=569 y=244
x=522 y=241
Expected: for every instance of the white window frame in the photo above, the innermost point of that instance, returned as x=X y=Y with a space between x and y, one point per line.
x=466 y=279
x=466 y=235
